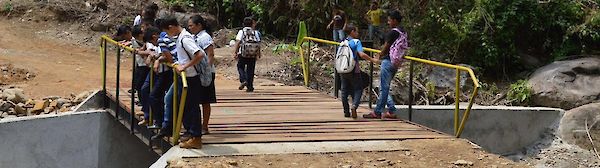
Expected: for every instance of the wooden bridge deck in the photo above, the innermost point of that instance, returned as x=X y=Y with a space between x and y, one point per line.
x=293 y=114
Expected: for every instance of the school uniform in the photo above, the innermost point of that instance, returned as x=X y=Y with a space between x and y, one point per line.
x=246 y=66
x=186 y=50
x=203 y=40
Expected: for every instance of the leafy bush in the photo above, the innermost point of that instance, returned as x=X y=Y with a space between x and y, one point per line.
x=7 y=7
x=519 y=93
x=281 y=48
x=296 y=61
x=493 y=34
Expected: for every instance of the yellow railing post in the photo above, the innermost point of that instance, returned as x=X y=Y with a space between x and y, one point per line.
x=151 y=116
x=103 y=62
x=181 y=108
x=175 y=105
x=457 y=101
x=304 y=66
x=466 y=115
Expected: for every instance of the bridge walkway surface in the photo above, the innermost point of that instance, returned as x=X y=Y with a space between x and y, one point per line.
x=276 y=113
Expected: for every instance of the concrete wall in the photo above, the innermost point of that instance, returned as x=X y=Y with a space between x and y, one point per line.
x=85 y=139
x=501 y=130
x=118 y=148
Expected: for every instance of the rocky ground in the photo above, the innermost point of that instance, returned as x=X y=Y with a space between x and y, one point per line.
x=418 y=153
x=15 y=103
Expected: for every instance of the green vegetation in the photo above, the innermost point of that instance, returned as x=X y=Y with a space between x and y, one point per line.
x=491 y=35
x=281 y=48
x=7 y=8
x=430 y=86
x=296 y=61
x=519 y=93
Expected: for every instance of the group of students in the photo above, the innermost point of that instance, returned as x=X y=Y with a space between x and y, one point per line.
x=374 y=16
x=163 y=41
x=160 y=42
x=391 y=57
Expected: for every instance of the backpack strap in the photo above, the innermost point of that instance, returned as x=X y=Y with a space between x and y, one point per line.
x=188 y=53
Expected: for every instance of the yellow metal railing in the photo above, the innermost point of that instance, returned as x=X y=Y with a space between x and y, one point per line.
x=178 y=109
x=458 y=126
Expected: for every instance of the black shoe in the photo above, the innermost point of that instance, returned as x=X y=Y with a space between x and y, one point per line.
x=242 y=86
x=161 y=134
x=347 y=115
x=250 y=90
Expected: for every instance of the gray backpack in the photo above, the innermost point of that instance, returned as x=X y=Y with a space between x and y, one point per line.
x=250 y=44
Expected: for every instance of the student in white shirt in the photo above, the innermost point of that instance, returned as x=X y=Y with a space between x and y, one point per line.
x=141 y=67
x=189 y=56
x=198 y=26
x=247 y=51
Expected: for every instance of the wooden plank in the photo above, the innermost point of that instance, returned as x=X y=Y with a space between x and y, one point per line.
x=341 y=130
x=347 y=137
x=309 y=135
x=320 y=127
x=314 y=123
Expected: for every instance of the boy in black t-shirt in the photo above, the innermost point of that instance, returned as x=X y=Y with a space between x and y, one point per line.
x=388 y=71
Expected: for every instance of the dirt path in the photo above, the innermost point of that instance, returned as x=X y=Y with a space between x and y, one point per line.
x=61 y=68
x=418 y=153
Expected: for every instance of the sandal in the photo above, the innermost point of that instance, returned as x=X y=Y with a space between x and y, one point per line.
x=372 y=115
x=389 y=115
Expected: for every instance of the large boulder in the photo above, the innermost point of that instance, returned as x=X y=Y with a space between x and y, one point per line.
x=445 y=78
x=82 y=96
x=183 y=18
x=14 y=95
x=572 y=127
x=567 y=84
x=222 y=37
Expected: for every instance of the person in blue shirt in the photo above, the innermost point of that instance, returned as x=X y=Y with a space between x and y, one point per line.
x=353 y=82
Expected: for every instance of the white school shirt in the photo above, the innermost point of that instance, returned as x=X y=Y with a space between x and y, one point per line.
x=156 y=49
x=137 y=21
x=139 y=61
x=204 y=40
x=240 y=36
x=186 y=49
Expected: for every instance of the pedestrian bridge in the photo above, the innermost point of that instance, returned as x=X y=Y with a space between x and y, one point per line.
x=283 y=114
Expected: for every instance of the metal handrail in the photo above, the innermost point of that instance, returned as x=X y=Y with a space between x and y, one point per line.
x=458 y=126
x=178 y=109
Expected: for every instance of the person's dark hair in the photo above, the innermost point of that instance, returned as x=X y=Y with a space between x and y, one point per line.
x=157 y=22
x=122 y=30
x=395 y=15
x=149 y=21
x=149 y=14
x=178 y=8
x=169 y=21
x=136 y=31
x=349 y=28
x=150 y=31
x=150 y=11
x=248 y=21
x=197 y=19
x=153 y=7
x=337 y=7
